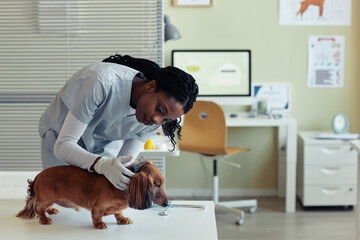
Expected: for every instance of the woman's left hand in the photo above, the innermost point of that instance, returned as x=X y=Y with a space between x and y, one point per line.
x=114 y=171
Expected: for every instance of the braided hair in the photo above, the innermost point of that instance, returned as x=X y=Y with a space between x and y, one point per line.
x=170 y=80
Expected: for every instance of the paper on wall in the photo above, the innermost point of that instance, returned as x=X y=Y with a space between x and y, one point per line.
x=315 y=12
x=326 y=56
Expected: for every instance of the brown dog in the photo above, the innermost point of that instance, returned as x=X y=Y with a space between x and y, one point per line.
x=306 y=3
x=74 y=187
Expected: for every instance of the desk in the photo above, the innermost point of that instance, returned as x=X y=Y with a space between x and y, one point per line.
x=287 y=129
x=160 y=153
x=182 y=223
x=356 y=145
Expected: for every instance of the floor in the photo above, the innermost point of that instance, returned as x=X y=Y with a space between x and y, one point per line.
x=270 y=222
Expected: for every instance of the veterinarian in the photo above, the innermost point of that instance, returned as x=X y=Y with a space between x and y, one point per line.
x=107 y=111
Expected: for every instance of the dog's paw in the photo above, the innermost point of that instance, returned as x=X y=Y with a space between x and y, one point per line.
x=52 y=211
x=124 y=221
x=100 y=225
x=45 y=221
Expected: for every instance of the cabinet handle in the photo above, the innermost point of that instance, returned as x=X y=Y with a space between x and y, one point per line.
x=330 y=170
x=333 y=150
x=330 y=191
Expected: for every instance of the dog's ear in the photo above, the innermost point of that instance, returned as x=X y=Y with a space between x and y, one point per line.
x=135 y=168
x=141 y=192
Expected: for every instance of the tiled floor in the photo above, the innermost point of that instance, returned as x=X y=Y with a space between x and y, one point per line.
x=271 y=222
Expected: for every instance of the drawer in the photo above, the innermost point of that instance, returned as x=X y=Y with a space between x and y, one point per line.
x=330 y=174
x=330 y=154
x=329 y=195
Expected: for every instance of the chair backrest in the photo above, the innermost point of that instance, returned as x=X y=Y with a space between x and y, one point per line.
x=204 y=130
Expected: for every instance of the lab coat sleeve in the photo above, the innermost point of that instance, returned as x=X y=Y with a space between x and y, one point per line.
x=66 y=148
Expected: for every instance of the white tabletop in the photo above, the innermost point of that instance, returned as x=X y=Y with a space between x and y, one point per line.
x=242 y=119
x=309 y=138
x=182 y=223
x=161 y=152
x=164 y=152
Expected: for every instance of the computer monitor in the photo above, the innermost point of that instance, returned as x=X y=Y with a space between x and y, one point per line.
x=223 y=76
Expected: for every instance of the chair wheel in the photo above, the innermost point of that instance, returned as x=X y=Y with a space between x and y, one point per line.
x=252 y=209
x=240 y=221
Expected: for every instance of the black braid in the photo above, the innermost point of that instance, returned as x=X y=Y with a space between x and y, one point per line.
x=179 y=84
x=169 y=129
x=171 y=80
x=147 y=67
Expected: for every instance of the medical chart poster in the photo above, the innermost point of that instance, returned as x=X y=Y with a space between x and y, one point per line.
x=326 y=56
x=315 y=12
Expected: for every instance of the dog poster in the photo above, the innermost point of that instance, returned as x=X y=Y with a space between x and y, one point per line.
x=315 y=12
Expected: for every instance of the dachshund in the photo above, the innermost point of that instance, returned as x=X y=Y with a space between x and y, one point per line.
x=73 y=187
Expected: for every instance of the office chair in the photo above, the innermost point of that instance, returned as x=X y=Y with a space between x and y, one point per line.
x=204 y=132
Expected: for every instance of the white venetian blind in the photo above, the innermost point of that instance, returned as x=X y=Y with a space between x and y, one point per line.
x=19 y=142
x=42 y=43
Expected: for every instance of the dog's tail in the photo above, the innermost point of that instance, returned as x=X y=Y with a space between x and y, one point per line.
x=29 y=210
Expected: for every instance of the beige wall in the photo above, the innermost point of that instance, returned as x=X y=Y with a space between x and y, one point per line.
x=279 y=54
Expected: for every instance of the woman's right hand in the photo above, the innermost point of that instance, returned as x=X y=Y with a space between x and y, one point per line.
x=114 y=170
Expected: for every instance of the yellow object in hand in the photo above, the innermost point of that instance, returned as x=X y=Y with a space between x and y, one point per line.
x=149 y=144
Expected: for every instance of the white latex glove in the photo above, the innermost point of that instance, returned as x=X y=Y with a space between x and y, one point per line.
x=114 y=171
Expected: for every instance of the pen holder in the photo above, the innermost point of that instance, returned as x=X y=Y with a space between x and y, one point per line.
x=262 y=107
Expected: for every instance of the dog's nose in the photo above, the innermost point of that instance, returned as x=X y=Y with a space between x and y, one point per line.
x=165 y=204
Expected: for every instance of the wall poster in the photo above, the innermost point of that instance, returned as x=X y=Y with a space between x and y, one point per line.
x=326 y=56
x=315 y=12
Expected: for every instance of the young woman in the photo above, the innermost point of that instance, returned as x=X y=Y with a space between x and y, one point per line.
x=121 y=98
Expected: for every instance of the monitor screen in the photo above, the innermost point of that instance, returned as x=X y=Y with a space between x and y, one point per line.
x=223 y=76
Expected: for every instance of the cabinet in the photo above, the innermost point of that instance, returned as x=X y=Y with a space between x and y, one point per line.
x=326 y=172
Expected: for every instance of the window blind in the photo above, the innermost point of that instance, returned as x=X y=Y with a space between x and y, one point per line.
x=44 y=42
x=20 y=147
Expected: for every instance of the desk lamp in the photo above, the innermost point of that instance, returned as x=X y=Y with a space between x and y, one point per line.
x=171 y=32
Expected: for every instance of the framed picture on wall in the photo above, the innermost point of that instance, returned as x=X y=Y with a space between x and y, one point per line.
x=190 y=3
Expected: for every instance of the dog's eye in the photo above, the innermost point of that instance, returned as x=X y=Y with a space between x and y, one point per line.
x=158 y=185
